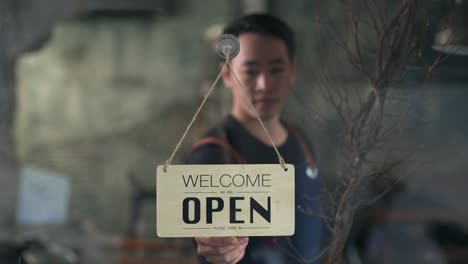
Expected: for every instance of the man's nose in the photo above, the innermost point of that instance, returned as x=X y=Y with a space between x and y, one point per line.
x=263 y=82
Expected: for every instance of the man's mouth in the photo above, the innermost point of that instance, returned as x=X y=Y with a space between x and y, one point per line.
x=265 y=101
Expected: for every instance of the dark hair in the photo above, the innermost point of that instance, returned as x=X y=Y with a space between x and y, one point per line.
x=264 y=24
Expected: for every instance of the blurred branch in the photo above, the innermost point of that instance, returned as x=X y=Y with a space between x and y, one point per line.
x=366 y=122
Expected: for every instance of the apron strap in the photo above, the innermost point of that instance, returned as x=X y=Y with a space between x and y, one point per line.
x=310 y=160
x=226 y=146
x=238 y=158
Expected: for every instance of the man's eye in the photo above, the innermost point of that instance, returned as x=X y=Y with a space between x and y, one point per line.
x=276 y=70
x=251 y=72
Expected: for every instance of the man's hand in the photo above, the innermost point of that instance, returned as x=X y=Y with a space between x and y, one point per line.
x=225 y=250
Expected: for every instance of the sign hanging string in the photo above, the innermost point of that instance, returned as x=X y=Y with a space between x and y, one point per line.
x=280 y=158
x=168 y=162
x=228 y=47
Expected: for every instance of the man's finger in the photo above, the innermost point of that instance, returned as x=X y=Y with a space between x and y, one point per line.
x=214 y=249
x=217 y=241
x=228 y=258
x=226 y=250
x=209 y=250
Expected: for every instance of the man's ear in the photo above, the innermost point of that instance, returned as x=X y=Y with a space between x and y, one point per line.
x=226 y=75
x=292 y=78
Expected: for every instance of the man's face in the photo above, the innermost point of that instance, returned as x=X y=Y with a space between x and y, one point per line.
x=266 y=72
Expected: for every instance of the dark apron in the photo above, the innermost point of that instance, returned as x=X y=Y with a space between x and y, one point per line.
x=305 y=245
x=307 y=238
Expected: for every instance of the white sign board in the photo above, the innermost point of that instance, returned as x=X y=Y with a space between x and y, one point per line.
x=43 y=197
x=225 y=200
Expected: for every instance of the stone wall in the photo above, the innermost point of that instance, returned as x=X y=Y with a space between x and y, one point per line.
x=109 y=97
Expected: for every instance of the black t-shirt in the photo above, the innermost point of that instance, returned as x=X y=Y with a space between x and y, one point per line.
x=254 y=151
x=251 y=149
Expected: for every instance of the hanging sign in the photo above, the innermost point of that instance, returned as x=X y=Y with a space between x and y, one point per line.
x=225 y=200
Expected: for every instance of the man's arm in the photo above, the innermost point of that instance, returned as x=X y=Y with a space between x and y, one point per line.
x=216 y=249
